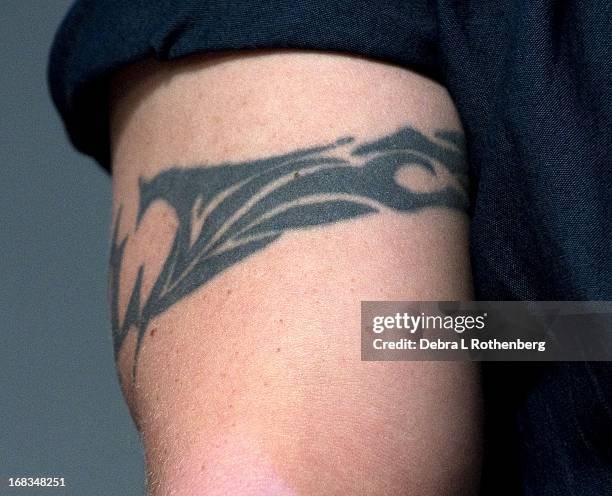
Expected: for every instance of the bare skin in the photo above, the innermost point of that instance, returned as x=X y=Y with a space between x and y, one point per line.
x=246 y=378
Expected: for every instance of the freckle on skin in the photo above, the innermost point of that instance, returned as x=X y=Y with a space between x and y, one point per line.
x=153 y=331
x=277 y=350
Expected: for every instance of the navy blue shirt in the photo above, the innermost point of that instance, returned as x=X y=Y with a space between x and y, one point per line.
x=532 y=81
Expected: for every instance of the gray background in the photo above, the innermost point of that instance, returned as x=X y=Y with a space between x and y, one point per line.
x=61 y=411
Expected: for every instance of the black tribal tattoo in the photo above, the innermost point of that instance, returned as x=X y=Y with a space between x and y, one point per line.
x=229 y=211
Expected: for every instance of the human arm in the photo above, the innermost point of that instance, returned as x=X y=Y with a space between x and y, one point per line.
x=283 y=180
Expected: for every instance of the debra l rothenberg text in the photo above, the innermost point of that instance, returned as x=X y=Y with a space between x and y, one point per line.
x=459 y=344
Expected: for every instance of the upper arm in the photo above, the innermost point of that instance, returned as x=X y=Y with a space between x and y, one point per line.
x=258 y=198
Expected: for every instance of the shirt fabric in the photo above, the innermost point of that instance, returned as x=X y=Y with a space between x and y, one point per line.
x=532 y=81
